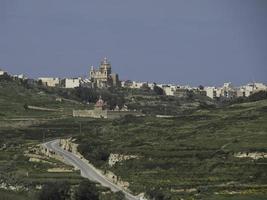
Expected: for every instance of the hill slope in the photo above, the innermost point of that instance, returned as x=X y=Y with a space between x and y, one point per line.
x=207 y=153
x=196 y=155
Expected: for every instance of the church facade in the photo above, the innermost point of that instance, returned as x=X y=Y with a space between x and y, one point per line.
x=103 y=77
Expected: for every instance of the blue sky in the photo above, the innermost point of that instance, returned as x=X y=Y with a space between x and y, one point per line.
x=180 y=41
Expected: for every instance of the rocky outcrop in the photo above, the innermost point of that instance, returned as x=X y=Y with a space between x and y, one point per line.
x=252 y=155
x=15 y=188
x=114 y=158
x=69 y=145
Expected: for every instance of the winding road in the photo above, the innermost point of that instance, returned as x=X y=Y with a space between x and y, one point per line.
x=87 y=170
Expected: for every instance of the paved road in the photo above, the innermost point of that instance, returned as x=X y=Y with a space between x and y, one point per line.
x=87 y=171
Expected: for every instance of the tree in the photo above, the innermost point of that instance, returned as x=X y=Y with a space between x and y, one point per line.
x=26 y=107
x=87 y=191
x=158 y=90
x=119 y=196
x=201 y=87
x=55 y=191
x=258 y=96
x=145 y=87
x=158 y=194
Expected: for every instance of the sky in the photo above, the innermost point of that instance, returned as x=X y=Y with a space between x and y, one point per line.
x=193 y=42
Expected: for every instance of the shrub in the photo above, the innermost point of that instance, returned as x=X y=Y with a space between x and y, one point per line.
x=86 y=191
x=55 y=191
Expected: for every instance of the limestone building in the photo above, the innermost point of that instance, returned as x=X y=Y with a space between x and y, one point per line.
x=70 y=82
x=103 y=77
x=49 y=81
x=3 y=73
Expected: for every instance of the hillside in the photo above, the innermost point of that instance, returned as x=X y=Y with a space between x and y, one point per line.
x=15 y=95
x=194 y=155
x=204 y=152
x=23 y=173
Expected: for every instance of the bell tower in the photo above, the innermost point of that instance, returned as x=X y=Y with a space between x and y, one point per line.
x=91 y=72
x=105 y=67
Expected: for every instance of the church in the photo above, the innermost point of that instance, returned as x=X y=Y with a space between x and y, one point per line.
x=103 y=77
x=101 y=111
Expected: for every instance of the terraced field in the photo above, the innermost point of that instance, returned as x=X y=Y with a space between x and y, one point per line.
x=187 y=156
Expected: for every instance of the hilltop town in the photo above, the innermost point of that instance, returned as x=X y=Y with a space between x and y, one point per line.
x=103 y=77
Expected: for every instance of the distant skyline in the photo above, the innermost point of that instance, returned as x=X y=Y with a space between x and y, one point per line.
x=191 y=42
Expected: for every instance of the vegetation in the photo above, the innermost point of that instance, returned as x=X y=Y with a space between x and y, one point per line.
x=191 y=155
x=187 y=156
x=21 y=129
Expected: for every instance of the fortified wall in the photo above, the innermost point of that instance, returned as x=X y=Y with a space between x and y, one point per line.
x=100 y=111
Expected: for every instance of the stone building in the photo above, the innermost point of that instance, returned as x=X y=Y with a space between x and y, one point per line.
x=49 y=81
x=70 y=82
x=2 y=72
x=211 y=92
x=20 y=76
x=250 y=88
x=103 y=77
x=169 y=90
x=226 y=91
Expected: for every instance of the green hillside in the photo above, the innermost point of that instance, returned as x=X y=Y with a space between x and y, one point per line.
x=21 y=130
x=191 y=156
x=188 y=156
x=15 y=95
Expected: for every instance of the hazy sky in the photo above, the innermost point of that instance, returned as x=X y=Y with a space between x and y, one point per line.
x=180 y=41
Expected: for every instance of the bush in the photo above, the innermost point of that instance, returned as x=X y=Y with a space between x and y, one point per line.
x=55 y=191
x=119 y=196
x=158 y=90
x=258 y=96
x=86 y=191
x=158 y=194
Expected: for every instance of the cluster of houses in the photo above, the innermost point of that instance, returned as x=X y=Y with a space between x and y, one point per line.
x=225 y=91
x=229 y=91
x=103 y=78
